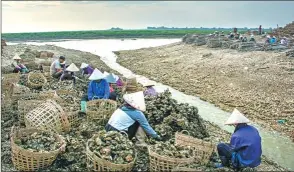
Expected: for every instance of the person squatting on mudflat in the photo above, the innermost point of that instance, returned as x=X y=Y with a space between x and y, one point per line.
x=57 y=67
x=87 y=70
x=18 y=66
x=130 y=119
x=244 y=149
x=69 y=73
x=110 y=78
x=98 y=88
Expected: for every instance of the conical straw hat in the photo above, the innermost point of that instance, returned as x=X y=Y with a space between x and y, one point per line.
x=96 y=75
x=105 y=73
x=236 y=118
x=136 y=100
x=72 y=68
x=16 y=57
x=110 y=78
x=116 y=77
x=84 y=65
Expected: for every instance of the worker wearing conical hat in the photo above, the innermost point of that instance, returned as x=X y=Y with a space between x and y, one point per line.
x=149 y=90
x=244 y=149
x=69 y=73
x=98 y=88
x=130 y=119
x=18 y=66
x=110 y=78
x=86 y=69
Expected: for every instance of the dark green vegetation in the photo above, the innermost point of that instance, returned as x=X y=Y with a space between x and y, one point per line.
x=103 y=34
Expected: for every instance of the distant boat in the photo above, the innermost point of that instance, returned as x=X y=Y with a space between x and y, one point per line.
x=134 y=39
x=122 y=39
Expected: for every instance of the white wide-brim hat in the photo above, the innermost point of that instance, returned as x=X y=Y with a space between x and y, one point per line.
x=96 y=75
x=105 y=73
x=136 y=100
x=72 y=68
x=84 y=65
x=236 y=118
x=16 y=57
x=110 y=78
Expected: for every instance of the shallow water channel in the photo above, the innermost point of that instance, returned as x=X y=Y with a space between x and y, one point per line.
x=275 y=146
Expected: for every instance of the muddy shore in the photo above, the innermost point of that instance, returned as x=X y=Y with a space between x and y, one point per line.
x=78 y=56
x=260 y=84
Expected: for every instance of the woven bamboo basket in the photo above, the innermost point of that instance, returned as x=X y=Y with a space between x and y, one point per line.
x=48 y=116
x=25 y=160
x=100 y=109
x=164 y=163
x=6 y=88
x=20 y=89
x=183 y=169
x=202 y=149
x=24 y=106
x=32 y=76
x=132 y=81
x=74 y=119
x=11 y=77
x=95 y=163
x=46 y=69
x=47 y=76
x=34 y=96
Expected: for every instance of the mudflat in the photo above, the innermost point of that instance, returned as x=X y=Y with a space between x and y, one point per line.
x=260 y=84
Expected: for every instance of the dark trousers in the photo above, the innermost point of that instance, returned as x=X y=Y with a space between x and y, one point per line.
x=132 y=130
x=225 y=153
x=57 y=74
x=112 y=96
x=68 y=76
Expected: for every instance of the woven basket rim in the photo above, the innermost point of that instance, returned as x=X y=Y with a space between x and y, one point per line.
x=166 y=158
x=57 y=137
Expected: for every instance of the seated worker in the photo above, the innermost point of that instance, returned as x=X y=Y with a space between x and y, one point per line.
x=57 y=67
x=111 y=80
x=130 y=119
x=252 y=38
x=119 y=82
x=244 y=149
x=18 y=67
x=98 y=88
x=149 y=90
x=86 y=69
x=68 y=73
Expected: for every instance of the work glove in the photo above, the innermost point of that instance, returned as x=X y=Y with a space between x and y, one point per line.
x=158 y=138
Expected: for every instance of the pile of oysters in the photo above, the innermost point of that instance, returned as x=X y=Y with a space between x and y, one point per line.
x=112 y=146
x=38 y=142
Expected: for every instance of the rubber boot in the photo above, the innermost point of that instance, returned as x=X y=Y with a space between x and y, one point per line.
x=140 y=136
x=83 y=106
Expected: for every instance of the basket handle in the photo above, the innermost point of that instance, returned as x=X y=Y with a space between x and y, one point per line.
x=123 y=132
x=185 y=131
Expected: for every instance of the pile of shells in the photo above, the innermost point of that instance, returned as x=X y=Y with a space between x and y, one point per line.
x=168 y=116
x=38 y=81
x=88 y=128
x=171 y=150
x=112 y=146
x=38 y=142
x=68 y=98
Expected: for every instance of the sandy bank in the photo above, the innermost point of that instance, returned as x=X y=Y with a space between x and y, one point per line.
x=260 y=84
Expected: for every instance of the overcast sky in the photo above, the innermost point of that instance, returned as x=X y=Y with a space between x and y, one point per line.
x=41 y=16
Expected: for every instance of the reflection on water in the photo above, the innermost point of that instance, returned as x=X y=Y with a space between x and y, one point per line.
x=276 y=147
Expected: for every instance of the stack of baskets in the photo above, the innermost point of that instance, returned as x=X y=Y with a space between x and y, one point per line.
x=100 y=109
x=94 y=163
x=32 y=77
x=48 y=116
x=26 y=160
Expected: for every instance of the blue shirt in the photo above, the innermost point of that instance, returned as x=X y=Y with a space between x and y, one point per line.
x=98 y=90
x=246 y=144
x=121 y=122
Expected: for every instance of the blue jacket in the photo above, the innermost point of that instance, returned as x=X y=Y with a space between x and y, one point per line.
x=246 y=145
x=98 y=90
x=122 y=122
